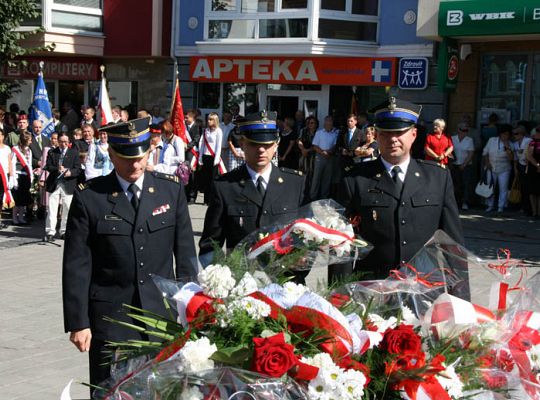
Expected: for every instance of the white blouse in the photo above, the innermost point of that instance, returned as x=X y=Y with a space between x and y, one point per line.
x=214 y=139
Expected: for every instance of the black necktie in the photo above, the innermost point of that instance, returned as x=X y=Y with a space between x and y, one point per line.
x=260 y=186
x=395 y=177
x=134 y=199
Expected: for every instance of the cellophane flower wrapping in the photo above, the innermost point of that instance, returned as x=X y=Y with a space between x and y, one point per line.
x=318 y=235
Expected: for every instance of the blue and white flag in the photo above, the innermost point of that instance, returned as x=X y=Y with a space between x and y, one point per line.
x=41 y=108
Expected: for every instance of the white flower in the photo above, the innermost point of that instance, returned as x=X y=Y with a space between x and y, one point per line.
x=247 y=285
x=450 y=381
x=409 y=317
x=293 y=291
x=216 y=280
x=195 y=355
x=534 y=356
x=352 y=383
x=191 y=393
x=255 y=308
x=381 y=323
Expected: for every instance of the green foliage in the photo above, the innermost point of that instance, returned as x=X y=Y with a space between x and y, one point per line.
x=12 y=14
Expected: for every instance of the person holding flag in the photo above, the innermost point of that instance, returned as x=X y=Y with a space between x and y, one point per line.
x=41 y=108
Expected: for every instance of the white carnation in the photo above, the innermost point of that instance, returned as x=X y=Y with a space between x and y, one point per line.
x=293 y=291
x=450 y=381
x=409 y=317
x=381 y=323
x=191 y=393
x=256 y=309
x=216 y=280
x=195 y=355
x=247 y=285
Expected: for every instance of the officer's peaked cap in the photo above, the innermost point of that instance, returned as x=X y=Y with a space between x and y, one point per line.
x=396 y=115
x=129 y=139
x=259 y=127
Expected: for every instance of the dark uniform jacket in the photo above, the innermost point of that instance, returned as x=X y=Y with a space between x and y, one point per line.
x=237 y=209
x=37 y=150
x=71 y=161
x=195 y=134
x=110 y=251
x=398 y=226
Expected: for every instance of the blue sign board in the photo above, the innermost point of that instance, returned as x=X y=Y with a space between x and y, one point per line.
x=413 y=73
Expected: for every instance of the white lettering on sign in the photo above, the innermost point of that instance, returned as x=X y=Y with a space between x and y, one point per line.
x=202 y=69
x=536 y=14
x=454 y=17
x=492 y=16
x=261 y=69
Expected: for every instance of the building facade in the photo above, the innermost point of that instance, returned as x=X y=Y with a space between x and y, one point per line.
x=498 y=47
x=131 y=38
x=289 y=55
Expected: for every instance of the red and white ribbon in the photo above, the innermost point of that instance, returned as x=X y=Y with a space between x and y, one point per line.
x=282 y=243
x=6 y=197
x=221 y=165
x=23 y=162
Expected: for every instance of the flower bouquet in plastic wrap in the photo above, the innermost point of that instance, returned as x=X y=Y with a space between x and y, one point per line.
x=318 y=235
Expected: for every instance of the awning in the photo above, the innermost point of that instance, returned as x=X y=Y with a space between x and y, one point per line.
x=488 y=17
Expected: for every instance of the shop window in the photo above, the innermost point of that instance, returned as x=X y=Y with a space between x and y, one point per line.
x=366 y=7
x=280 y=86
x=347 y=30
x=503 y=84
x=286 y=4
x=80 y=3
x=231 y=29
x=37 y=20
x=282 y=28
x=240 y=94
x=258 y=6
x=80 y=22
x=534 y=108
x=209 y=95
x=223 y=5
x=338 y=5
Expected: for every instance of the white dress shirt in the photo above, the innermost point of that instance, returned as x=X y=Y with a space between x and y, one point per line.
x=404 y=166
x=265 y=175
x=125 y=186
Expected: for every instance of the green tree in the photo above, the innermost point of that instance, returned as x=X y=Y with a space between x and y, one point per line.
x=12 y=14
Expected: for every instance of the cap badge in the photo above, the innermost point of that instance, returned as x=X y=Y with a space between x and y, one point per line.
x=115 y=194
x=392 y=106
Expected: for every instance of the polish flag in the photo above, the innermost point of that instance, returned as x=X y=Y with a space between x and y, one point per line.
x=104 y=104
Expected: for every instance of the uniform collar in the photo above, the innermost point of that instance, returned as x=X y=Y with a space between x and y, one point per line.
x=265 y=175
x=404 y=166
x=125 y=184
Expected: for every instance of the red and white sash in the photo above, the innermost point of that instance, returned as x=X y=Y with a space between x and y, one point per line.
x=23 y=162
x=221 y=166
x=7 y=198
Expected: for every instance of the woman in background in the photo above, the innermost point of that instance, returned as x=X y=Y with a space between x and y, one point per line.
x=209 y=155
x=98 y=162
x=21 y=162
x=6 y=172
x=438 y=146
x=369 y=150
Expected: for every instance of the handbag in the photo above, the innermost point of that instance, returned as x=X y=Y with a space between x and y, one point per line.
x=183 y=171
x=484 y=188
x=514 y=196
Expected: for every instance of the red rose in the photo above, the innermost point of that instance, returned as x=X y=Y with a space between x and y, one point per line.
x=273 y=356
x=402 y=340
x=338 y=300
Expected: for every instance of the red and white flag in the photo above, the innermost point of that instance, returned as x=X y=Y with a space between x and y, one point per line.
x=178 y=123
x=104 y=104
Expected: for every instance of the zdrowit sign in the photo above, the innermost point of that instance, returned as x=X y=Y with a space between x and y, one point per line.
x=295 y=70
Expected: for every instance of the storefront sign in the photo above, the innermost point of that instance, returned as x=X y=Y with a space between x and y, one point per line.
x=75 y=69
x=494 y=17
x=448 y=69
x=413 y=73
x=295 y=70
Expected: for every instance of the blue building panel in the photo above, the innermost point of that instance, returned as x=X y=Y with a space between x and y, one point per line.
x=186 y=36
x=393 y=30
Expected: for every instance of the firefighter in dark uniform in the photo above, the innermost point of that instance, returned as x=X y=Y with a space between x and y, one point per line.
x=253 y=195
x=397 y=202
x=121 y=228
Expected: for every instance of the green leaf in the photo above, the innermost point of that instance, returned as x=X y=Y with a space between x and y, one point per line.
x=232 y=355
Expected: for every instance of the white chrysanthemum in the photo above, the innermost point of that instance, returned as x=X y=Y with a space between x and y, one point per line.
x=191 y=393
x=409 y=317
x=321 y=388
x=534 y=356
x=195 y=355
x=224 y=315
x=256 y=309
x=352 y=383
x=450 y=381
x=321 y=360
x=247 y=285
x=381 y=323
x=216 y=280
x=293 y=291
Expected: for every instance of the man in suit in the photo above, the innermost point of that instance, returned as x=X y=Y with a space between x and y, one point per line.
x=63 y=165
x=195 y=135
x=39 y=141
x=253 y=195
x=122 y=228
x=398 y=202
x=349 y=140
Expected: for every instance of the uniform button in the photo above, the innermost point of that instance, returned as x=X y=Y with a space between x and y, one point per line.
x=403 y=262
x=162 y=222
x=402 y=222
x=241 y=211
x=141 y=248
x=113 y=228
x=141 y=282
x=427 y=200
x=141 y=230
x=403 y=203
x=404 y=243
x=141 y=264
x=284 y=208
x=376 y=202
x=265 y=212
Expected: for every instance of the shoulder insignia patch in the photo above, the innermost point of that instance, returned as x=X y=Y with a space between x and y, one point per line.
x=167 y=177
x=291 y=171
x=82 y=186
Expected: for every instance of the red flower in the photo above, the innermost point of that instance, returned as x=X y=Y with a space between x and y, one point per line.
x=487 y=360
x=402 y=340
x=339 y=300
x=505 y=361
x=273 y=356
x=494 y=379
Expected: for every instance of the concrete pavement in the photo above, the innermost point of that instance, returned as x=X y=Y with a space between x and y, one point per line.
x=36 y=358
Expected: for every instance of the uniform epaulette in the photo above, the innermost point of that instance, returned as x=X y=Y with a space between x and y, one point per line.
x=167 y=177
x=431 y=162
x=291 y=171
x=82 y=186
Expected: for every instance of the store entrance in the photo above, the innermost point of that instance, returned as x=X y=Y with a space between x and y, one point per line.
x=72 y=91
x=285 y=106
